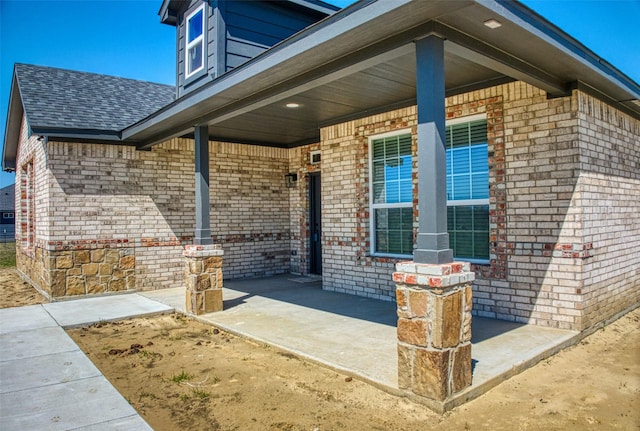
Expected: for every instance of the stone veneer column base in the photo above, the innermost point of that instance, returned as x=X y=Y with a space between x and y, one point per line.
x=203 y=278
x=434 y=328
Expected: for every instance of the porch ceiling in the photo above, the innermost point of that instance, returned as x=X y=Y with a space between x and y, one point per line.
x=361 y=61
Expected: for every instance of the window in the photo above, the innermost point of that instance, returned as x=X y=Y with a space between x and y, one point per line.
x=7 y=215
x=467 y=192
x=391 y=195
x=195 y=42
x=468 y=189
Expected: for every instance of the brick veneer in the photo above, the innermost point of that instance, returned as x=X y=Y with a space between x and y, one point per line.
x=563 y=180
x=563 y=190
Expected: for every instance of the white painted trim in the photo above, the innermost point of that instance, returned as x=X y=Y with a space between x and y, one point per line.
x=196 y=41
x=467 y=202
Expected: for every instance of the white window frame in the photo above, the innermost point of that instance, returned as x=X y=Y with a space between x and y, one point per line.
x=196 y=41
x=8 y=215
x=373 y=206
x=468 y=202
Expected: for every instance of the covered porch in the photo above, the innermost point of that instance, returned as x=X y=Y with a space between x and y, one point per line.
x=357 y=335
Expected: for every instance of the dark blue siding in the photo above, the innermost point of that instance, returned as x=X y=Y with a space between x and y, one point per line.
x=238 y=31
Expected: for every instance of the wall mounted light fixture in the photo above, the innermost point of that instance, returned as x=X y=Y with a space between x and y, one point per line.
x=291 y=180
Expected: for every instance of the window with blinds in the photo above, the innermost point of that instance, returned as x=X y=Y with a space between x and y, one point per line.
x=391 y=195
x=468 y=190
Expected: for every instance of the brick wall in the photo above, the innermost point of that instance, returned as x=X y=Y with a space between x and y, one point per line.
x=608 y=190
x=548 y=259
x=106 y=196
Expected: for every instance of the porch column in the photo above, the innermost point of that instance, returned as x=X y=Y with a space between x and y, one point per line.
x=203 y=259
x=433 y=238
x=203 y=223
x=433 y=293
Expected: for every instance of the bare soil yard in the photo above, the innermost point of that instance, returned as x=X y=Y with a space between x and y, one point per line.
x=14 y=292
x=184 y=375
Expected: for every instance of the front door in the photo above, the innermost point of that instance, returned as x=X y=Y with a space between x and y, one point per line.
x=315 y=224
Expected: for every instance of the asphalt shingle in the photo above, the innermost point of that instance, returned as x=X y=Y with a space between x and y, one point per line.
x=67 y=99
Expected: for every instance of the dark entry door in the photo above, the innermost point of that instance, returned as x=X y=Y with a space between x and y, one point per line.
x=315 y=224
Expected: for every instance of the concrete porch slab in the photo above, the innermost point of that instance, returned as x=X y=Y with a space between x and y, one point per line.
x=358 y=335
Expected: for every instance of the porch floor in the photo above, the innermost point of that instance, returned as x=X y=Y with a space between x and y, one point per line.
x=357 y=335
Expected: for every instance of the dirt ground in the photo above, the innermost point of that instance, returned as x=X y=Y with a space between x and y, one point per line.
x=184 y=375
x=14 y=292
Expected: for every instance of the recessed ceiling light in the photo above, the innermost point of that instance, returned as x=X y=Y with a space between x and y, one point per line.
x=292 y=105
x=492 y=23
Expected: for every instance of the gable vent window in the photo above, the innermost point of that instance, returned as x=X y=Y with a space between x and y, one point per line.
x=195 y=42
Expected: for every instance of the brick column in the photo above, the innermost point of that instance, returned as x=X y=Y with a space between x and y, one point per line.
x=203 y=278
x=434 y=328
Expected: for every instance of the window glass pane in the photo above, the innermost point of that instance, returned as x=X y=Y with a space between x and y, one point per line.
x=391 y=148
x=195 y=57
x=479 y=158
x=378 y=150
x=480 y=186
x=481 y=245
x=393 y=192
x=478 y=132
x=460 y=160
x=481 y=217
x=463 y=247
x=461 y=187
x=459 y=135
x=404 y=145
x=378 y=171
x=394 y=230
x=392 y=164
x=195 y=26
x=469 y=231
x=405 y=191
x=378 y=193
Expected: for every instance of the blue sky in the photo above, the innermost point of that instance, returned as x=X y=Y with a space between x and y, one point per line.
x=125 y=38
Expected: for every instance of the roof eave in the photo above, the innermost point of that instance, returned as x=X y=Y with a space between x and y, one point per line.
x=13 y=125
x=537 y=25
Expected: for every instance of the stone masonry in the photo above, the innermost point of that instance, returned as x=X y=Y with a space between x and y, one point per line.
x=434 y=328
x=203 y=278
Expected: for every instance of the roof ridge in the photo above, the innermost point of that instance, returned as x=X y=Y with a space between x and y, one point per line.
x=90 y=73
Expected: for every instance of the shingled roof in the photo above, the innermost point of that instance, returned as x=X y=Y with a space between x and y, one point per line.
x=66 y=99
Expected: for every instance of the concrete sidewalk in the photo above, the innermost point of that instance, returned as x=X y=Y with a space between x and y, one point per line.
x=47 y=382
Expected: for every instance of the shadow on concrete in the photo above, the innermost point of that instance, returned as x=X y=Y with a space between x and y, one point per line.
x=310 y=295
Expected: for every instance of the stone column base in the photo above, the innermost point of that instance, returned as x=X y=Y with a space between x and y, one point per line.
x=434 y=328
x=203 y=278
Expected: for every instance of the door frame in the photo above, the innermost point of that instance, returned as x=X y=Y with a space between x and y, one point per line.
x=315 y=223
